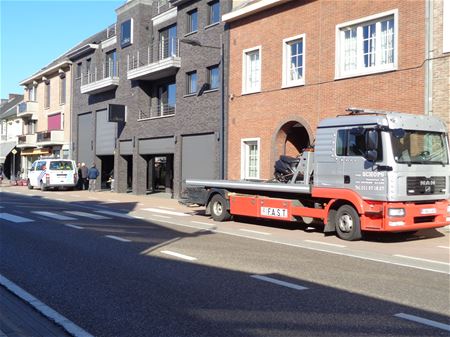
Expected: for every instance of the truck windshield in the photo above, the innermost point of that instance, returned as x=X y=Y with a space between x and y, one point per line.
x=419 y=147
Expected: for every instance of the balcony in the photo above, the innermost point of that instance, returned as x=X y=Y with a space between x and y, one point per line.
x=28 y=109
x=158 y=111
x=101 y=81
x=52 y=137
x=26 y=140
x=141 y=67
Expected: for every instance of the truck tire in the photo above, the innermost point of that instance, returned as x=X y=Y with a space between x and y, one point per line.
x=30 y=187
x=348 y=223
x=218 y=206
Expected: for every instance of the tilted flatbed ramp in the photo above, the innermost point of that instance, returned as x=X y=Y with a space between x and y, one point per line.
x=250 y=186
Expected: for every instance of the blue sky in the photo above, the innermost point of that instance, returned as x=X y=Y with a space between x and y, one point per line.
x=33 y=33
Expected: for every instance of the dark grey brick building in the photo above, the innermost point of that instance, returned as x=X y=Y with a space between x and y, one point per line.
x=162 y=62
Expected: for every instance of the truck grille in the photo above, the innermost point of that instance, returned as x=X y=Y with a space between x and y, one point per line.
x=425 y=186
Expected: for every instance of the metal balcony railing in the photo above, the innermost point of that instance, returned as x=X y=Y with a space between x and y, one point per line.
x=162 y=6
x=108 y=70
x=111 y=31
x=160 y=110
x=166 y=49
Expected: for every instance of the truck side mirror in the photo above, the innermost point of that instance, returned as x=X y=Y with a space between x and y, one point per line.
x=371 y=155
x=371 y=140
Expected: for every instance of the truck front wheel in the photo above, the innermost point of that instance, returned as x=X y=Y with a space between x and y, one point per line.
x=219 y=211
x=348 y=223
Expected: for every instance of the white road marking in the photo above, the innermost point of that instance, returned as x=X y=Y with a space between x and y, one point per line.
x=299 y=245
x=74 y=195
x=53 y=215
x=44 y=309
x=162 y=216
x=92 y=198
x=1 y=206
x=14 y=218
x=204 y=223
x=161 y=211
x=251 y=231
x=169 y=208
x=420 y=259
x=60 y=199
x=138 y=217
x=111 y=200
x=88 y=215
x=445 y=247
x=326 y=243
x=117 y=238
x=120 y=215
x=73 y=226
x=278 y=282
x=424 y=321
x=181 y=256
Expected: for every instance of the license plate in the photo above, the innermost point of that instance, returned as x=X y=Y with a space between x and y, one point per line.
x=274 y=212
x=428 y=211
x=62 y=175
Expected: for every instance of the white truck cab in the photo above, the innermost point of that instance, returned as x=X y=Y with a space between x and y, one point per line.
x=53 y=173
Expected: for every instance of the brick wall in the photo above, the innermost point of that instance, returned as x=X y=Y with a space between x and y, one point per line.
x=263 y=114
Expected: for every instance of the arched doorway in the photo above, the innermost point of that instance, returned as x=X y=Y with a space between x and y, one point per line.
x=291 y=138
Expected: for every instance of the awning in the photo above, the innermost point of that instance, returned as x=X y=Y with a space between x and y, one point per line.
x=5 y=149
x=35 y=152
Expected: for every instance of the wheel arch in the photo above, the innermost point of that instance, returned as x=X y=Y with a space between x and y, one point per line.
x=211 y=193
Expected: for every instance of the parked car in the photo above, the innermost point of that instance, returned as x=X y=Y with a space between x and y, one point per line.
x=53 y=173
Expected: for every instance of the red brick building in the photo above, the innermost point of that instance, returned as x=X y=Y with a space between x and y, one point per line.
x=293 y=63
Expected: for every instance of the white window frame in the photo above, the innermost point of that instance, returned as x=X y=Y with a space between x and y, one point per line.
x=32 y=93
x=358 y=24
x=245 y=88
x=446 y=27
x=245 y=142
x=286 y=82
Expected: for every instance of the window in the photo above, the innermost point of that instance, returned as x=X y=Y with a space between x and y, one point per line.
x=213 y=77
x=126 y=33
x=214 y=12
x=168 y=42
x=166 y=100
x=47 y=94
x=111 y=64
x=192 y=23
x=352 y=143
x=250 y=158
x=88 y=66
x=294 y=61
x=191 y=84
x=62 y=89
x=79 y=65
x=367 y=46
x=54 y=122
x=32 y=93
x=251 y=74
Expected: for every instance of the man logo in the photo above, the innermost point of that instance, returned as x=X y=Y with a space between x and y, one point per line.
x=427 y=189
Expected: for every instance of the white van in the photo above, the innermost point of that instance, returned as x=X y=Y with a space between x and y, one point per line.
x=48 y=173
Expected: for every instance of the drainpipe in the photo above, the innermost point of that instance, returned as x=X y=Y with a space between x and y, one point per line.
x=428 y=57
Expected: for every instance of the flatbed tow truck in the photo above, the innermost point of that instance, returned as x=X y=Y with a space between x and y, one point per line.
x=368 y=171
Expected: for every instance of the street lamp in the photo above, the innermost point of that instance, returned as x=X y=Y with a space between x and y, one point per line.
x=196 y=43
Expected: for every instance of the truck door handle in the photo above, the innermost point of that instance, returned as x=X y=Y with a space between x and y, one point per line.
x=346 y=179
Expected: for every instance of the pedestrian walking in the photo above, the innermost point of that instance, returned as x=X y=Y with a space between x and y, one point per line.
x=92 y=176
x=84 y=176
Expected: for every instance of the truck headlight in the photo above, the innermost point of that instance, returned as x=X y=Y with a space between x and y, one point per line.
x=396 y=212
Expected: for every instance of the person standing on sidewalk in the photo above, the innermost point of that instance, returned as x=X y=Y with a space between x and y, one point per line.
x=92 y=176
x=84 y=176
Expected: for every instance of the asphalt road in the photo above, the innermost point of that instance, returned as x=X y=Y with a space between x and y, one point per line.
x=135 y=274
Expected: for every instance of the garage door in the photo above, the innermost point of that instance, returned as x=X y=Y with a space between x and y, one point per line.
x=85 y=150
x=105 y=134
x=199 y=157
x=157 y=146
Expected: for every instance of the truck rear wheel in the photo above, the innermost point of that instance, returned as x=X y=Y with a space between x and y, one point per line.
x=219 y=211
x=348 y=223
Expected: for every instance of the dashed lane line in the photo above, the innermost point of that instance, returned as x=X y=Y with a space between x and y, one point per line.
x=424 y=321
x=326 y=243
x=420 y=259
x=117 y=238
x=445 y=247
x=88 y=215
x=278 y=282
x=162 y=211
x=44 y=309
x=254 y=232
x=181 y=256
x=120 y=215
x=162 y=216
